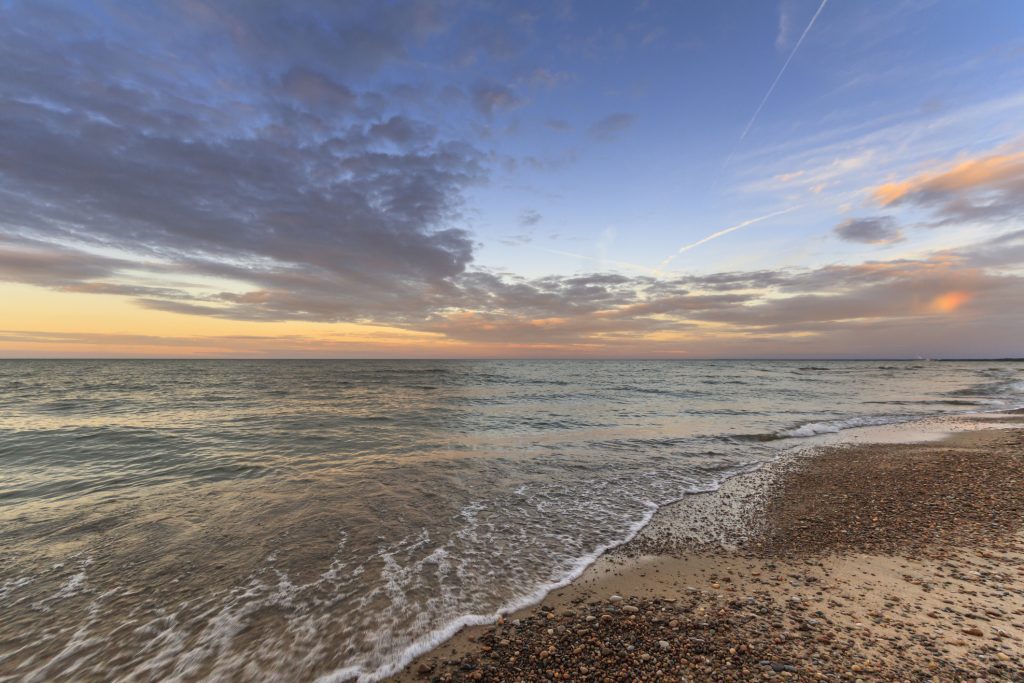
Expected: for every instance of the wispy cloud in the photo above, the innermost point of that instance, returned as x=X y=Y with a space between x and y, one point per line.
x=782 y=37
x=985 y=187
x=611 y=125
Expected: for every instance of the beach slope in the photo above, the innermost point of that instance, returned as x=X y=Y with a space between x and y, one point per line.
x=861 y=561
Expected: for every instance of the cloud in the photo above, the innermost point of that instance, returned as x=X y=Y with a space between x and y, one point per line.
x=316 y=89
x=52 y=266
x=548 y=79
x=876 y=308
x=869 y=230
x=989 y=187
x=335 y=203
x=784 y=34
x=402 y=131
x=1002 y=251
x=830 y=299
x=352 y=38
x=529 y=217
x=558 y=125
x=610 y=126
x=653 y=36
x=492 y=98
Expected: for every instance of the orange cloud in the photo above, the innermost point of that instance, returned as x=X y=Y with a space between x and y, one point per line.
x=949 y=302
x=967 y=175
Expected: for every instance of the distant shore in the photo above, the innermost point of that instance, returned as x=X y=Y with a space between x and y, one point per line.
x=860 y=561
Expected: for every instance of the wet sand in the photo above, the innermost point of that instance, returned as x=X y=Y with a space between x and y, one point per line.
x=860 y=561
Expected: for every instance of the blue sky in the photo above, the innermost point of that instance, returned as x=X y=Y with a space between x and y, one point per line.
x=690 y=79
x=463 y=178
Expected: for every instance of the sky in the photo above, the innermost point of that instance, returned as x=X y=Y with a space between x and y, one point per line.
x=753 y=179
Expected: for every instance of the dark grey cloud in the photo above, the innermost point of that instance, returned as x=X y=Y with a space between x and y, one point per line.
x=733 y=281
x=869 y=230
x=246 y=157
x=52 y=266
x=530 y=217
x=403 y=132
x=354 y=38
x=316 y=89
x=1003 y=251
x=829 y=298
x=493 y=98
x=611 y=125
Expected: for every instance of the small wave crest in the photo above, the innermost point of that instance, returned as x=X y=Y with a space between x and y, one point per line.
x=831 y=427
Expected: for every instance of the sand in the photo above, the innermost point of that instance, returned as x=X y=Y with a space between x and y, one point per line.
x=852 y=561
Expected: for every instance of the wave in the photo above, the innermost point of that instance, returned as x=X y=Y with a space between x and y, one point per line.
x=831 y=427
x=1003 y=390
x=439 y=636
x=1012 y=387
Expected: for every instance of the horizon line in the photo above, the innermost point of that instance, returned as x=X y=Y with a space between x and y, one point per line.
x=518 y=358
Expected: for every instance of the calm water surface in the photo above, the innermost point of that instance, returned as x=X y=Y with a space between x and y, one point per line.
x=178 y=520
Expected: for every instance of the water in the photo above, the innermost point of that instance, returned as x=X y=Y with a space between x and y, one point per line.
x=297 y=520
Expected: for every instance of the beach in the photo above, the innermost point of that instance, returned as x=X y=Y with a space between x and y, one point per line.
x=894 y=553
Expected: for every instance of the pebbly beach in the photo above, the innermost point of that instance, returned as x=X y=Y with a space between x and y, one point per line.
x=896 y=554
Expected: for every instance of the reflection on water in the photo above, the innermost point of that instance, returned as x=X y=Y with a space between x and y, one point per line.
x=264 y=520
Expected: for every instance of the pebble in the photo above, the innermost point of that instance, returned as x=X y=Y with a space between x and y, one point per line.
x=748 y=633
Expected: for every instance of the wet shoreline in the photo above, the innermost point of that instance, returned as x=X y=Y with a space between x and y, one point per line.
x=747 y=582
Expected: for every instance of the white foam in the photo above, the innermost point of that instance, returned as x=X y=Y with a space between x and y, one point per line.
x=11 y=585
x=1016 y=387
x=831 y=427
x=71 y=586
x=396 y=662
x=438 y=636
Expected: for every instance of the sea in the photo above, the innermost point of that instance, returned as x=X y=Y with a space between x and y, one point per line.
x=330 y=520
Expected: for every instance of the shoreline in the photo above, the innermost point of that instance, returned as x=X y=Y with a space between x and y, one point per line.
x=689 y=549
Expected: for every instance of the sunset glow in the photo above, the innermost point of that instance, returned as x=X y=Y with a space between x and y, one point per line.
x=578 y=181
x=950 y=302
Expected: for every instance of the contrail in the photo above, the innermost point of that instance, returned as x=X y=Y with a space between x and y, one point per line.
x=726 y=231
x=783 y=70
